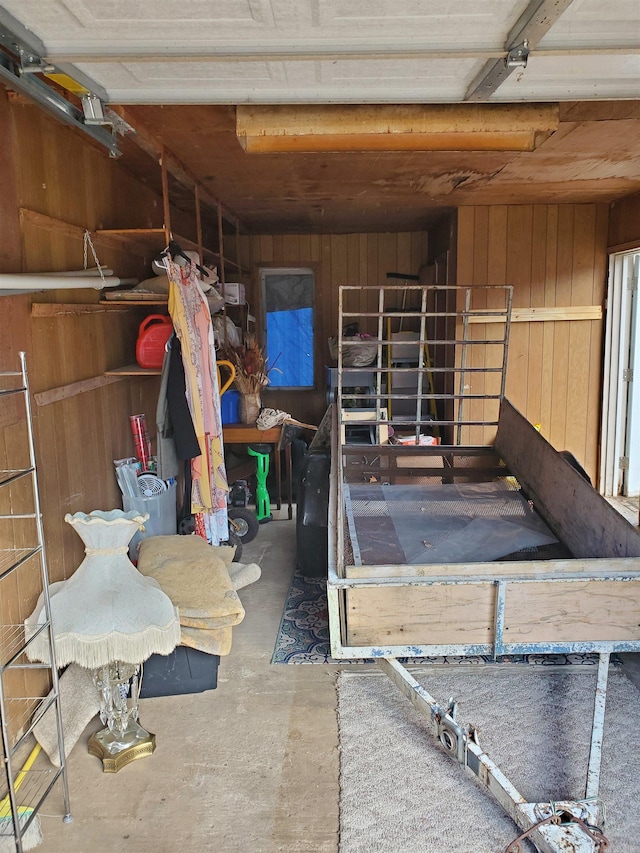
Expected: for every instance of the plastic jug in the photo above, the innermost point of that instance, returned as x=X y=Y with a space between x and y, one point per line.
x=153 y=334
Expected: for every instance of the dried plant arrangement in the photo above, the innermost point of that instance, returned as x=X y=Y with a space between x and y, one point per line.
x=250 y=364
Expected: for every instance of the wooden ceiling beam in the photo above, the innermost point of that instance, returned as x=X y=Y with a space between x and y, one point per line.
x=441 y=127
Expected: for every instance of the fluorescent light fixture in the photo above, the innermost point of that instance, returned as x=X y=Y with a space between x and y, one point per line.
x=373 y=127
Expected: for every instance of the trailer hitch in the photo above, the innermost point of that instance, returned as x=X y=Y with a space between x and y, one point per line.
x=552 y=815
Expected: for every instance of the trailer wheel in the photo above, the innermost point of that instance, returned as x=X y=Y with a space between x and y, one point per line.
x=244 y=523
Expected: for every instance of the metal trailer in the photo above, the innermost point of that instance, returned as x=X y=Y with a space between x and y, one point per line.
x=577 y=591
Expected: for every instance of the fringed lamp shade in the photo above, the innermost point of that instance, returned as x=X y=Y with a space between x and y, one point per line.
x=107 y=611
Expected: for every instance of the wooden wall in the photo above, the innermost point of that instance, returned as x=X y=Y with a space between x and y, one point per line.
x=553 y=255
x=338 y=259
x=53 y=176
x=624 y=223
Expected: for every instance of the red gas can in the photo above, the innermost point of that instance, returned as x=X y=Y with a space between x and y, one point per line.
x=153 y=334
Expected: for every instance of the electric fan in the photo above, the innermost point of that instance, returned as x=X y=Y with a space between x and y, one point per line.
x=151 y=486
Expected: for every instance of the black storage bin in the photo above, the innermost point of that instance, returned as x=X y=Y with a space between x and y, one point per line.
x=312 y=517
x=185 y=670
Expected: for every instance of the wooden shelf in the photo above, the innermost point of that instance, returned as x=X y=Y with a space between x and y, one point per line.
x=154 y=239
x=77 y=309
x=133 y=370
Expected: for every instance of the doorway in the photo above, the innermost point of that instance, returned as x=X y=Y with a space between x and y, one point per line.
x=620 y=453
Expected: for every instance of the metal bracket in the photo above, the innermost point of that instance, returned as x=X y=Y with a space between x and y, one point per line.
x=518 y=56
x=20 y=64
x=627 y=374
x=451 y=734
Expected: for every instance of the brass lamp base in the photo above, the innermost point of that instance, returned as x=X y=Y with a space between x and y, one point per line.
x=117 y=751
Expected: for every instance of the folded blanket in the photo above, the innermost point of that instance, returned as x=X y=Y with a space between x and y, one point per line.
x=214 y=642
x=242 y=574
x=196 y=578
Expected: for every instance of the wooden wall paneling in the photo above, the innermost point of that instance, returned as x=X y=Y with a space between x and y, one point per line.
x=371 y=277
x=561 y=352
x=536 y=330
x=595 y=394
x=15 y=338
x=278 y=249
x=327 y=300
x=580 y=333
x=11 y=243
x=339 y=276
x=518 y=273
x=352 y=278
x=555 y=258
x=548 y=335
x=496 y=274
x=464 y=249
x=30 y=161
x=290 y=248
x=52 y=487
x=11 y=611
x=388 y=261
x=264 y=249
x=404 y=254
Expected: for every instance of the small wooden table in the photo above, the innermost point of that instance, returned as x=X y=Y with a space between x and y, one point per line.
x=250 y=434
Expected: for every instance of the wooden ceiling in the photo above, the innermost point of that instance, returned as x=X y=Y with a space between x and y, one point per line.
x=593 y=156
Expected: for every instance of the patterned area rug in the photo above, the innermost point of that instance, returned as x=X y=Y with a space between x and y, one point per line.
x=303 y=636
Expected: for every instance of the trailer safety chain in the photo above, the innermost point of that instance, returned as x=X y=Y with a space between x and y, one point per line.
x=600 y=841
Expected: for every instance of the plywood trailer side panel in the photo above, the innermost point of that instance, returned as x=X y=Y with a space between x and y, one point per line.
x=580 y=517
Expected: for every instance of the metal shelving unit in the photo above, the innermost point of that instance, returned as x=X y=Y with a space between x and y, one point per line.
x=25 y=787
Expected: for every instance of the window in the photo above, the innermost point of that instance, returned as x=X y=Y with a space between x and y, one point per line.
x=287 y=300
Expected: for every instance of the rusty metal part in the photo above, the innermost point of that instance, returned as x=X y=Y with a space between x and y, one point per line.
x=601 y=842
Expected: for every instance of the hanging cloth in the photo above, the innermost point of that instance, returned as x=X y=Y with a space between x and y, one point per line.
x=191 y=317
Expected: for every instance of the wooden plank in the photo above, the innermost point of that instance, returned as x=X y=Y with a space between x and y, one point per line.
x=337 y=127
x=57 y=309
x=580 y=517
x=64 y=392
x=408 y=615
x=586 y=611
x=50 y=223
x=547 y=315
x=133 y=370
x=526 y=569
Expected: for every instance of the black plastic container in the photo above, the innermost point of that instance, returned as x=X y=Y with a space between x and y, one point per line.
x=185 y=670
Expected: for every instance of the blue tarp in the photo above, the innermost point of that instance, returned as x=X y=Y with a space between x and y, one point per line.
x=290 y=348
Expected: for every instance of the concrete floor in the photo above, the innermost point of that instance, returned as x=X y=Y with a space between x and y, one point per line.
x=250 y=766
